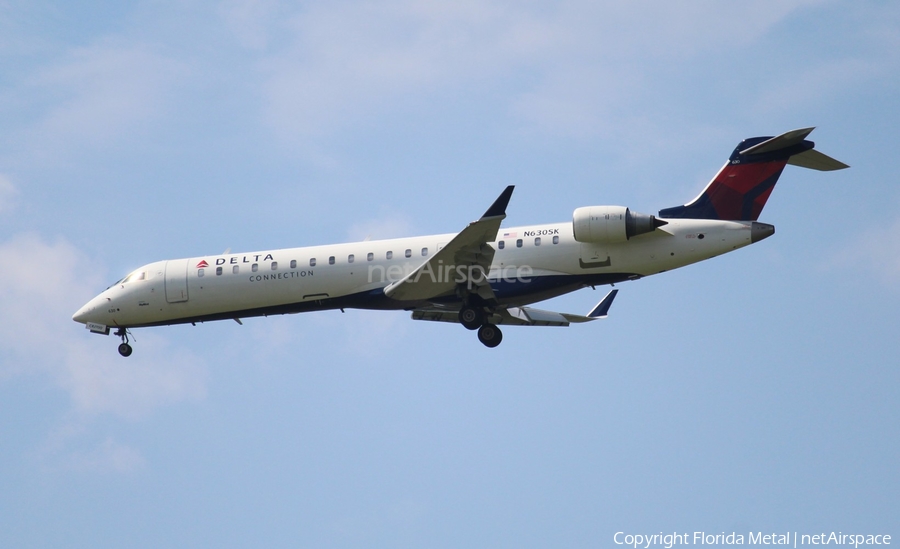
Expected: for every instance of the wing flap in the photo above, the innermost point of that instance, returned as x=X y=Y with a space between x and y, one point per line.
x=522 y=316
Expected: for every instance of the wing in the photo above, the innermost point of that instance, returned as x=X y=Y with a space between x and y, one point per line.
x=460 y=258
x=522 y=316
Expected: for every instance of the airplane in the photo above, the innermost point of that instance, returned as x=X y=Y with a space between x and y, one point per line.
x=482 y=277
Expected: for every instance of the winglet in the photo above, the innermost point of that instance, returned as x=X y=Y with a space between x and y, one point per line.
x=602 y=308
x=498 y=208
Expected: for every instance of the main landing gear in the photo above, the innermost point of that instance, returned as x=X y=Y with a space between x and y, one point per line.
x=473 y=318
x=490 y=335
x=124 y=348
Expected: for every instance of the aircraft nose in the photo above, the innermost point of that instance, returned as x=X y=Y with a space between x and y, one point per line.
x=88 y=312
x=82 y=314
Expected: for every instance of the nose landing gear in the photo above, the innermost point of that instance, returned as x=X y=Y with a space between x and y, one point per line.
x=124 y=348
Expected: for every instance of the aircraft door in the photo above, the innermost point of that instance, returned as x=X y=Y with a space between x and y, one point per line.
x=176 y=280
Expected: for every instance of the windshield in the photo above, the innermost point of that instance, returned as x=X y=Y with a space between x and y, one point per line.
x=136 y=275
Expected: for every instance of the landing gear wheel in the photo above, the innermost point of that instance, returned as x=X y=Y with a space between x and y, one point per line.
x=471 y=317
x=490 y=335
x=124 y=348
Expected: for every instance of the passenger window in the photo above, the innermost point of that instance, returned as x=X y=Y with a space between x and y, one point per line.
x=312 y=262
x=274 y=265
x=408 y=253
x=424 y=251
x=218 y=271
x=370 y=256
x=255 y=267
x=350 y=258
x=331 y=260
x=519 y=243
x=556 y=240
x=537 y=241
x=501 y=244
x=389 y=255
x=200 y=273
x=236 y=269
x=293 y=264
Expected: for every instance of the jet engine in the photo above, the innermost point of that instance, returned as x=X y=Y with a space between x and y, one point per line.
x=611 y=224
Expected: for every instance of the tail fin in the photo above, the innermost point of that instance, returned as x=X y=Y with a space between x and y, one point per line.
x=740 y=189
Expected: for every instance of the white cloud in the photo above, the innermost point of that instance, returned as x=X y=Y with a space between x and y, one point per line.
x=99 y=93
x=109 y=456
x=876 y=250
x=579 y=59
x=823 y=80
x=8 y=193
x=385 y=227
x=45 y=283
x=249 y=20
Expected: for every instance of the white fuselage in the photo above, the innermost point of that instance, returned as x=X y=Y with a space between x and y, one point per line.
x=530 y=263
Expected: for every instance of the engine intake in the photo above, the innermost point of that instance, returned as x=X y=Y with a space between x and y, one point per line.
x=611 y=224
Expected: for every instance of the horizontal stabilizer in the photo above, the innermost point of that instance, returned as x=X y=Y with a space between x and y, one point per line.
x=783 y=141
x=815 y=160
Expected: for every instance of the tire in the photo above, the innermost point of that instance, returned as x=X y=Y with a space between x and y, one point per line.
x=471 y=317
x=490 y=335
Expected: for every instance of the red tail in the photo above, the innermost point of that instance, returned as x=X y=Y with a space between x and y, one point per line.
x=740 y=190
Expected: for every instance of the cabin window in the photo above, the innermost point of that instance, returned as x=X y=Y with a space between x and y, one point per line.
x=424 y=251
x=408 y=253
x=218 y=271
x=537 y=241
x=312 y=262
x=370 y=256
x=274 y=265
x=293 y=264
x=519 y=243
x=331 y=260
x=501 y=244
x=350 y=258
x=200 y=272
x=254 y=267
x=236 y=269
x=556 y=240
x=389 y=255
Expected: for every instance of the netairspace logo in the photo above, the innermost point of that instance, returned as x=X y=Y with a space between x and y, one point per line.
x=470 y=275
x=786 y=539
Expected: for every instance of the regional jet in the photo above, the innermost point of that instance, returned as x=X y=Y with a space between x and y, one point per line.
x=482 y=277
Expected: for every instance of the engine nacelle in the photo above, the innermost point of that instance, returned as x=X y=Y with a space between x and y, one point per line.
x=611 y=224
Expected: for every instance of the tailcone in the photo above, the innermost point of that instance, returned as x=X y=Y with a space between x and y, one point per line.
x=760 y=231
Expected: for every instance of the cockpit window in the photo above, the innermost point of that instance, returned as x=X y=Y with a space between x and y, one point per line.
x=136 y=275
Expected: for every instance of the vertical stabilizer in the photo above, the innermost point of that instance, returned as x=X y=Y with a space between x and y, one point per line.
x=741 y=188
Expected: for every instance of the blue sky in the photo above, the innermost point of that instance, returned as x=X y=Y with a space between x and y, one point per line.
x=752 y=392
